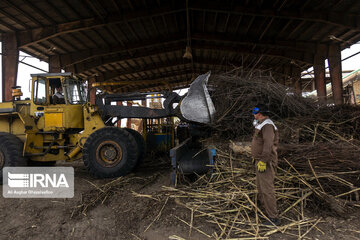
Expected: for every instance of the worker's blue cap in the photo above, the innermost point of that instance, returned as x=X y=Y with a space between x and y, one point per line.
x=256 y=110
x=260 y=108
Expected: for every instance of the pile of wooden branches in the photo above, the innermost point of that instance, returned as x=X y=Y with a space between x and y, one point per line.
x=338 y=164
x=327 y=124
x=100 y=193
x=234 y=96
x=318 y=161
x=227 y=198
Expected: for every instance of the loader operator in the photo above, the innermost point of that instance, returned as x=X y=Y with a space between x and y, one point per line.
x=264 y=152
x=58 y=97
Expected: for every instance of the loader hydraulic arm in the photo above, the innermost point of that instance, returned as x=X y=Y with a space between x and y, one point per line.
x=196 y=106
x=136 y=112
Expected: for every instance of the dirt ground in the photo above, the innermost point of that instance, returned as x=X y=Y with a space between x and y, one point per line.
x=128 y=213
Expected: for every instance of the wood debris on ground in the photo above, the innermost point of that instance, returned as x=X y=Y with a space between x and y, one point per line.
x=319 y=165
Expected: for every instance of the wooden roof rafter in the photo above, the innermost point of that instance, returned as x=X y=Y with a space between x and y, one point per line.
x=147 y=38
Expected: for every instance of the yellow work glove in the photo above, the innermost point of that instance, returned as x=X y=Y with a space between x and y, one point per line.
x=261 y=166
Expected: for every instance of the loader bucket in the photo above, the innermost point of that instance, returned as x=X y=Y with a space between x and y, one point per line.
x=197 y=106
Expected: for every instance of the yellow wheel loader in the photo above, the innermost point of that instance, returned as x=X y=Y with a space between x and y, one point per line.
x=58 y=123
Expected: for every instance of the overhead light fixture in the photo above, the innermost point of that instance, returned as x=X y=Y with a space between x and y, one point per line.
x=334 y=38
x=51 y=49
x=188 y=54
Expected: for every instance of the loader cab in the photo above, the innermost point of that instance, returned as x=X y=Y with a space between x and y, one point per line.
x=57 y=101
x=45 y=86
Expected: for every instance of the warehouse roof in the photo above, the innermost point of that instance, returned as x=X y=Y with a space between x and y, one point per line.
x=142 y=42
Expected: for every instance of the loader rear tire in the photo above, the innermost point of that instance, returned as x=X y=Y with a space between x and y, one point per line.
x=110 y=152
x=11 y=152
x=140 y=141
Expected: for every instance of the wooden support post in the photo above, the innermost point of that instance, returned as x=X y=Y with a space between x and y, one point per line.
x=319 y=74
x=10 y=61
x=92 y=91
x=54 y=64
x=71 y=68
x=128 y=124
x=119 y=103
x=336 y=73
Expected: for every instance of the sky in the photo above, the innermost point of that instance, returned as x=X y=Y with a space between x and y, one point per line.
x=24 y=71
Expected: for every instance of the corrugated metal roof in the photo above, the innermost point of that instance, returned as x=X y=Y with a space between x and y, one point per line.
x=144 y=40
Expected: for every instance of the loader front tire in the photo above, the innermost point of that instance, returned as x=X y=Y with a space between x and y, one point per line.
x=11 y=149
x=110 y=152
x=140 y=141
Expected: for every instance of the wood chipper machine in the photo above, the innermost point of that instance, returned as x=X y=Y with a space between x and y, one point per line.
x=40 y=131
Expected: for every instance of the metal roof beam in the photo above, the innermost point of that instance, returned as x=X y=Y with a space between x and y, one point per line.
x=8 y=26
x=173 y=80
x=27 y=15
x=155 y=82
x=341 y=19
x=291 y=55
x=95 y=54
x=345 y=20
x=81 y=56
x=114 y=74
x=306 y=46
x=114 y=82
x=40 y=34
x=40 y=12
x=170 y=85
x=283 y=54
x=215 y=65
x=17 y=21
